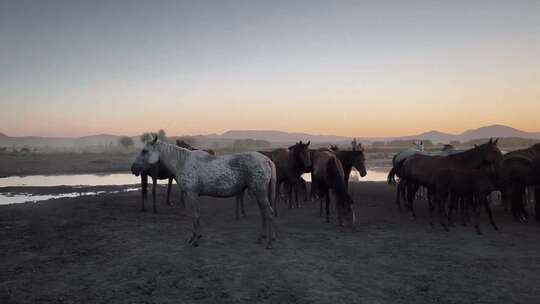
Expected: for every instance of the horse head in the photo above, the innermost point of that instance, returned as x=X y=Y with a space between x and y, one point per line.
x=360 y=162
x=148 y=157
x=492 y=157
x=334 y=148
x=301 y=153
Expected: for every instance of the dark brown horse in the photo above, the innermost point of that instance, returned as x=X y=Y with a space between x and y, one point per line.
x=470 y=185
x=420 y=170
x=290 y=164
x=327 y=174
x=521 y=169
x=350 y=159
x=156 y=172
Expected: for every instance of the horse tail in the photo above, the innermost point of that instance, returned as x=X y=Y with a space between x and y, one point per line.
x=391 y=179
x=272 y=185
x=395 y=171
x=338 y=184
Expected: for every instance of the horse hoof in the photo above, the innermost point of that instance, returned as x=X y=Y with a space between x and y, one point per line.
x=195 y=244
x=261 y=238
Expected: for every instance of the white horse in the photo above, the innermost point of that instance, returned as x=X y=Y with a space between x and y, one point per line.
x=198 y=173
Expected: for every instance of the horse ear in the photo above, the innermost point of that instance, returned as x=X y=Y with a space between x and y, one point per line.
x=307 y=144
x=155 y=139
x=496 y=141
x=490 y=140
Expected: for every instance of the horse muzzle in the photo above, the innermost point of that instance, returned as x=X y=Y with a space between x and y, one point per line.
x=363 y=173
x=136 y=169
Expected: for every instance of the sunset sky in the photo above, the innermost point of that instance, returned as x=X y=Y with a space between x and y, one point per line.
x=355 y=68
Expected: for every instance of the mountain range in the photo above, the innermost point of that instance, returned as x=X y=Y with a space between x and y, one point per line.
x=271 y=136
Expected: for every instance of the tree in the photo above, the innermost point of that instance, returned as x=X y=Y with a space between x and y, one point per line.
x=162 y=135
x=125 y=142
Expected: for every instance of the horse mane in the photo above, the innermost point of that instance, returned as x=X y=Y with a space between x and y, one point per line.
x=167 y=148
x=467 y=154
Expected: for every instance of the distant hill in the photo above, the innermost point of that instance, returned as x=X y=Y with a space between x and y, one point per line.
x=483 y=132
x=276 y=137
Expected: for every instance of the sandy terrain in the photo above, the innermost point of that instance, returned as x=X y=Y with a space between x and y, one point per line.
x=101 y=249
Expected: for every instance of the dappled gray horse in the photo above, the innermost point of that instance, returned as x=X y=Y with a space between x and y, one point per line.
x=198 y=173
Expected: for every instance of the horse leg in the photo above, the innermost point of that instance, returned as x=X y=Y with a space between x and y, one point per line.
x=144 y=189
x=462 y=211
x=182 y=199
x=169 y=186
x=277 y=198
x=296 y=187
x=195 y=214
x=327 y=195
x=154 y=183
x=441 y=208
x=242 y=206
x=266 y=218
x=476 y=215
x=237 y=211
x=304 y=186
x=399 y=191
x=452 y=210
x=431 y=210
x=488 y=211
x=411 y=193
x=537 y=203
x=289 y=189
x=516 y=196
x=524 y=203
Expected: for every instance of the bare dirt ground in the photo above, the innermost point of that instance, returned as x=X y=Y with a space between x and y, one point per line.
x=101 y=249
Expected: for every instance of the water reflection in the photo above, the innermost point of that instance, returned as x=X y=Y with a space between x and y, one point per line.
x=126 y=179
x=17 y=198
x=79 y=180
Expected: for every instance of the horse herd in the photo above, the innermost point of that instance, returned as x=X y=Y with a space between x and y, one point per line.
x=464 y=180
x=456 y=179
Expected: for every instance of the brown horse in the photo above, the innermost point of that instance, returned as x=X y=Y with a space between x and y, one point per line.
x=521 y=169
x=290 y=164
x=156 y=172
x=350 y=159
x=471 y=185
x=327 y=174
x=420 y=170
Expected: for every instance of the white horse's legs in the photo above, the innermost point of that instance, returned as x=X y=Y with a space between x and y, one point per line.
x=240 y=205
x=266 y=218
x=191 y=198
